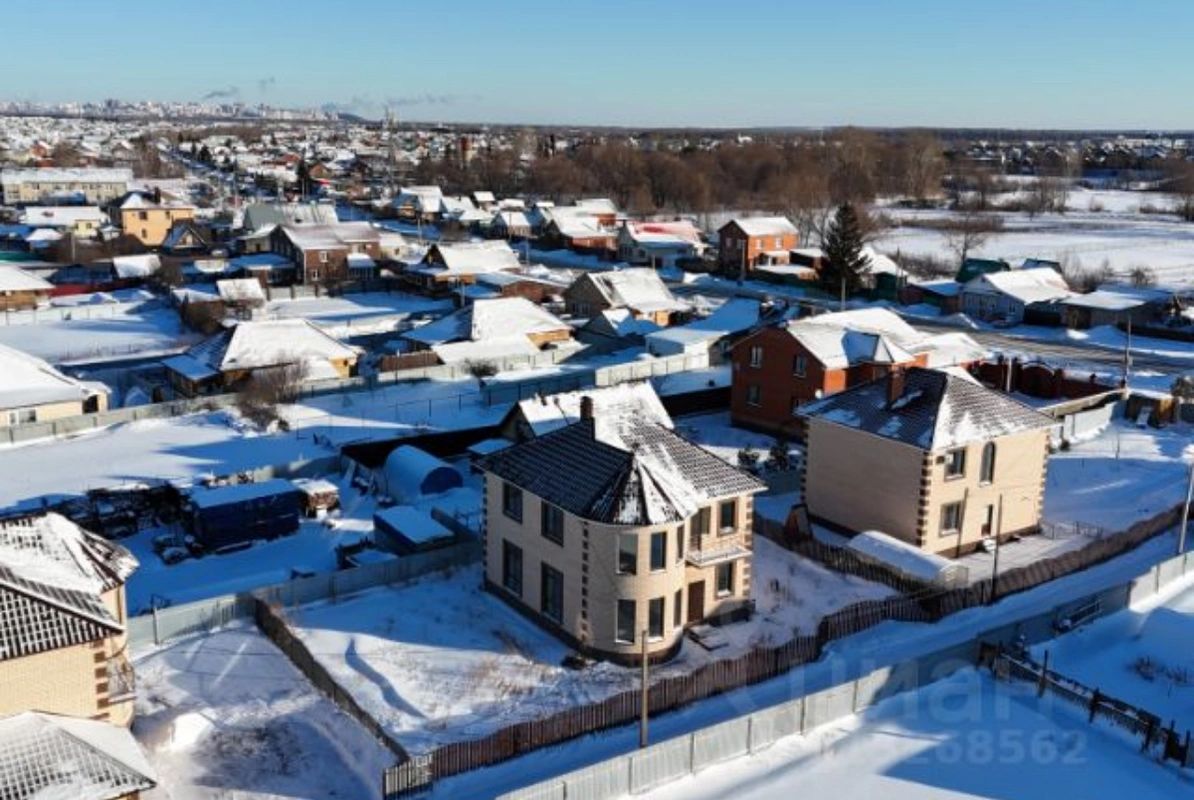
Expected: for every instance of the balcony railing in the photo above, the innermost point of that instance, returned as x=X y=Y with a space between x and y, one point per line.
x=714 y=548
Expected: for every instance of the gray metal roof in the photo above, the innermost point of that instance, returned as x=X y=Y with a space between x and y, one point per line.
x=620 y=471
x=933 y=410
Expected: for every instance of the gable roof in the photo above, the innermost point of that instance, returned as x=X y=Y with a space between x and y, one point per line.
x=660 y=233
x=547 y=413
x=53 y=575
x=329 y=236
x=762 y=226
x=1036 y=285
x=624 y=470
x=29 y=381
x=638 y=289
x=50 y=756
x=268 y=343
x=469 y=258
x=933 y=410
x=489 y=319
x=264 y=215
x=240 y=290
x=13 y=279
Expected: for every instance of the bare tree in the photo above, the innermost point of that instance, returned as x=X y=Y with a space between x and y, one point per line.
x=480 y=369
x=260 y=394
x=970 y=229
x=1180 y=175
x=1143 y=277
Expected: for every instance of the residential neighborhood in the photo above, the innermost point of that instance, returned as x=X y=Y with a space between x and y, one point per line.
x=377 y=433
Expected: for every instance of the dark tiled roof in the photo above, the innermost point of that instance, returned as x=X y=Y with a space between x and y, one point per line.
x=622 y=471
x=934 y=410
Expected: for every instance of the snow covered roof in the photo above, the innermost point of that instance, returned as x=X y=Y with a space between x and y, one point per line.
x=48 y=757
x=411 y=473
x=268 y=343
x=136 y=266
x=933 y=410
x=620 y=322
x=469 y=258
x=764 y=226
x=61 y=215
x=658 y=233
x=53 y=575
x=265 y=215
x=240 y=290
x=13 y=279
x=547 y=413
x=240 y=492
x=640 y=290
x=43 y=235
x=66 y=175
x=734 y=316
x=416 y=526
x=905 y=558
x=329 y=236
x=621 y=470
x=1038 y=285
x=1113 y=299
x=489 y=319
x=844 y=338
x=27 y=381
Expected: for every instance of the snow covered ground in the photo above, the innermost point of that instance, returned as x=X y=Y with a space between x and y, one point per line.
x=1119 y=235
x=965 y=737
x=1141 y=655
x=440 y=660
x=228 y=716
x=353 y=314
x=137 y=329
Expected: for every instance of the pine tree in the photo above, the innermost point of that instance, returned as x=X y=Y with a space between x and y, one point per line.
x=845 y=263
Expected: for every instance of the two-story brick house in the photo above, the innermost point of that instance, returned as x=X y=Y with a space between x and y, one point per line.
x=610 y=529
x=746 y=242
x=930 y=457
x=779 y=368
x=323 y=254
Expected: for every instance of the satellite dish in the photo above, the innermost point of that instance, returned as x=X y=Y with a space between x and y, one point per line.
x=817 y=394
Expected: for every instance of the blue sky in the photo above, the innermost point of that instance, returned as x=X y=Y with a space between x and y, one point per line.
x=1011 y=63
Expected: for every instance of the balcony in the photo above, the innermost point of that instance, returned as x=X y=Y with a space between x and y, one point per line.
x=715 y=548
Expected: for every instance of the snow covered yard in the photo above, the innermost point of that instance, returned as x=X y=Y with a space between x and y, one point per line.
x=228 y=716
x=964 y=737
x=356 y=314
x=1141 y=655
x=138 y=329
x=149 y=450
x=715 y=433
x=1123 y=475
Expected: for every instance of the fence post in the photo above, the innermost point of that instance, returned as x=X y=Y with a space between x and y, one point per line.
x=1042 y=682
x=1094 y=704
x=156 y=639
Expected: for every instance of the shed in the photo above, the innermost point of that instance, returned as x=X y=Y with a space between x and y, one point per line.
x=318 y=495
x=405 y=529
x=908 y=560
x=230 y=515
x=410 y=473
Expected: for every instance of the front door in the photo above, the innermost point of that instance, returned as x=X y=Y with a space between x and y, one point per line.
x=696 y=601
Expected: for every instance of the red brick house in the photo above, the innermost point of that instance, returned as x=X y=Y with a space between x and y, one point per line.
x=322 y=253
x=745 y=243
x=780 y=368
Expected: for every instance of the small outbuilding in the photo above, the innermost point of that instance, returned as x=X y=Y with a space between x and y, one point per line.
x=909 y=561
x=319 y=495
x=227 y=516
x=404 y=530
x=410 y=473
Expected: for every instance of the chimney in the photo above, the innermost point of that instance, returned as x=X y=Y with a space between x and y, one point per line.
x=586 y=407
x=895 y=386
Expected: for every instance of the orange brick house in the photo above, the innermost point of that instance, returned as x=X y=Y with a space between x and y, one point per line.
x=748 y=242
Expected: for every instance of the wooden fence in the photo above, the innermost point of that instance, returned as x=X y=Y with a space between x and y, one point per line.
x=1136 y=721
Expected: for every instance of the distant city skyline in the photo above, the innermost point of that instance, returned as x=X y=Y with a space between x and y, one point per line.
x=1063 y=64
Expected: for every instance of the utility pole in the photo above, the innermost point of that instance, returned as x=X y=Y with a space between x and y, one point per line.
x=842 y=301
x=1127 y=354
x=642 y=723
x=995 y=561
x=1181 y=534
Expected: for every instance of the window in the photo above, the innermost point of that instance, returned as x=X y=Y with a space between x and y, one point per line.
x=655 y=618
x=143 y=215
x=551 y=592
x=678 y=609
x=951 y=518
x=323 y=256
x=627 y=553
x=512 y=501
x=700 y=525
x=725 y=579
x=756 y=355
x=727 y=516
x=552 y=520
x=955 y=463
x=753 y=396
x=658 y=551
x=512 y=568
x=679 y=544
x=986 y=472
x=22 y=416
x=625 y=632
x=315 y=275
x=799 y=366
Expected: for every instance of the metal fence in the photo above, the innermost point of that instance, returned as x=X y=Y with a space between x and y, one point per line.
x=164 y=624
x=671 y=760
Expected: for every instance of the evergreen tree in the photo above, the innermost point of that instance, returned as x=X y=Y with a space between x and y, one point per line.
x=303 y=174
x=845 y=263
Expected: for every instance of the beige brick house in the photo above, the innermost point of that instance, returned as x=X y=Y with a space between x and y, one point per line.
x=63 y=646
x=930 y=457
x=611 y=528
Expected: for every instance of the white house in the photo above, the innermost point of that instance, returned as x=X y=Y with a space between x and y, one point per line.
x=1005 y=295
